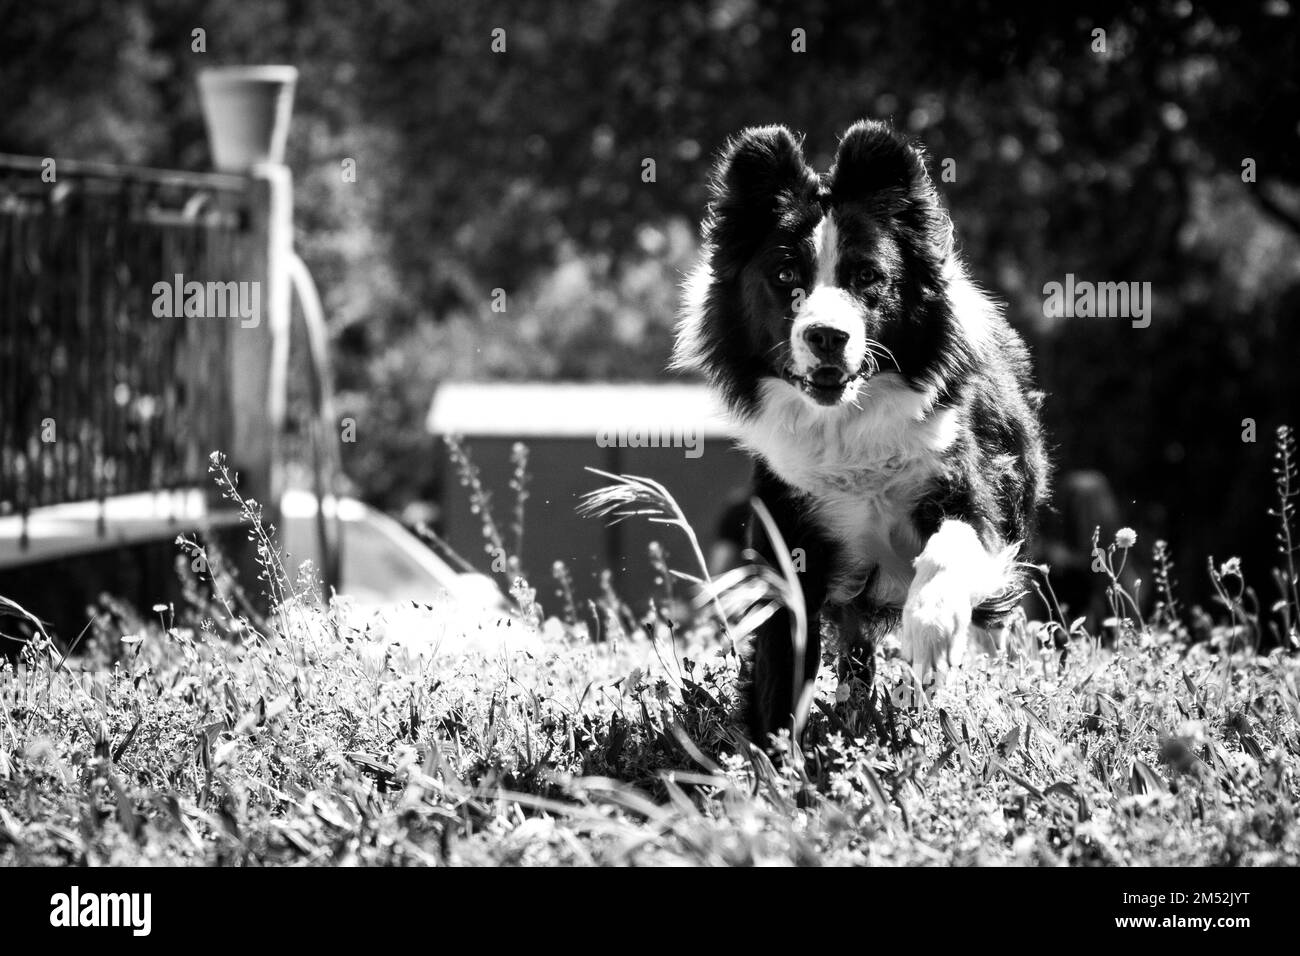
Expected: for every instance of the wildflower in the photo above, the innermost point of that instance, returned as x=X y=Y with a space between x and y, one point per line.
x=1125 y=538
x=373 y=658
x=1230 y=568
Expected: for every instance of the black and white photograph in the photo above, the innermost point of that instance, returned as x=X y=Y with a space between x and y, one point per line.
x=618 y=434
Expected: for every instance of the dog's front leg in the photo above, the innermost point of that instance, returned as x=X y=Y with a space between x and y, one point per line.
x=954 y=573
x=770 y=701
x=770 y=688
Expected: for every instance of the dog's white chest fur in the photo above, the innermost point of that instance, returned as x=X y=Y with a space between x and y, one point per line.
x=863 y=469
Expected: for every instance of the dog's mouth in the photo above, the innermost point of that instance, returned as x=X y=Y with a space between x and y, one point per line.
x=826 y=384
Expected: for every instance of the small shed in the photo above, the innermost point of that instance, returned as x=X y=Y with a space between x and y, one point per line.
x=674 y=433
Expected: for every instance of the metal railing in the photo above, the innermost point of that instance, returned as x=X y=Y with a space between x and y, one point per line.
x=99 y=395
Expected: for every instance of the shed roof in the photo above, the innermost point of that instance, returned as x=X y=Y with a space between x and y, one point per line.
x=573 y=409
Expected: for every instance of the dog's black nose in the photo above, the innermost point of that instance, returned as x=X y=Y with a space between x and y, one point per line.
x=825 y=341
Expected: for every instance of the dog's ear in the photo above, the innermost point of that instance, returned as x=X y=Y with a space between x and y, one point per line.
x=761 y=176
x=875 y=158
x=878 y=165
x=756 y=165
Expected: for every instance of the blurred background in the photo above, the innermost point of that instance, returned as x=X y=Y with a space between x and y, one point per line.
x=522 y=171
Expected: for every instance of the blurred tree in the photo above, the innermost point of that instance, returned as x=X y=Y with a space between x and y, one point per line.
x=521 y=170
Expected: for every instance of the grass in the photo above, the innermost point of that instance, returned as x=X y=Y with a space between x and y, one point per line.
x=206 y=734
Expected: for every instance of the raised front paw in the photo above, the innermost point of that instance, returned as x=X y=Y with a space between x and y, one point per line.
x=936 y=620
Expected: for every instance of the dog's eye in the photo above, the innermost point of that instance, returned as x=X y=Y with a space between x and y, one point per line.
x=865 y=276
x=786 y=275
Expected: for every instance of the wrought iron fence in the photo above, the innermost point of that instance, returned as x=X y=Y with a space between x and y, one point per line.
x=100 y=396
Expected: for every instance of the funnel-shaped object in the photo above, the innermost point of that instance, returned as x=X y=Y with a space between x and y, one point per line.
x=247 y=111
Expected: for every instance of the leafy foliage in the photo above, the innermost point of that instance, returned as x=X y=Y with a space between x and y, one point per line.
x=337 y=744
x=521 y=171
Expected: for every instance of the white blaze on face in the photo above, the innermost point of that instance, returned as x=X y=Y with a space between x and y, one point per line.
x=828 y=304
x=826 y=251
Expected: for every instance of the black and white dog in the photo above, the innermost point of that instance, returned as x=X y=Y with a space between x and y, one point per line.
x=887 y=402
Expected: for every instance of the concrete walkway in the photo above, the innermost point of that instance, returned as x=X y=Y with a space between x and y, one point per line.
x=383 y=563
